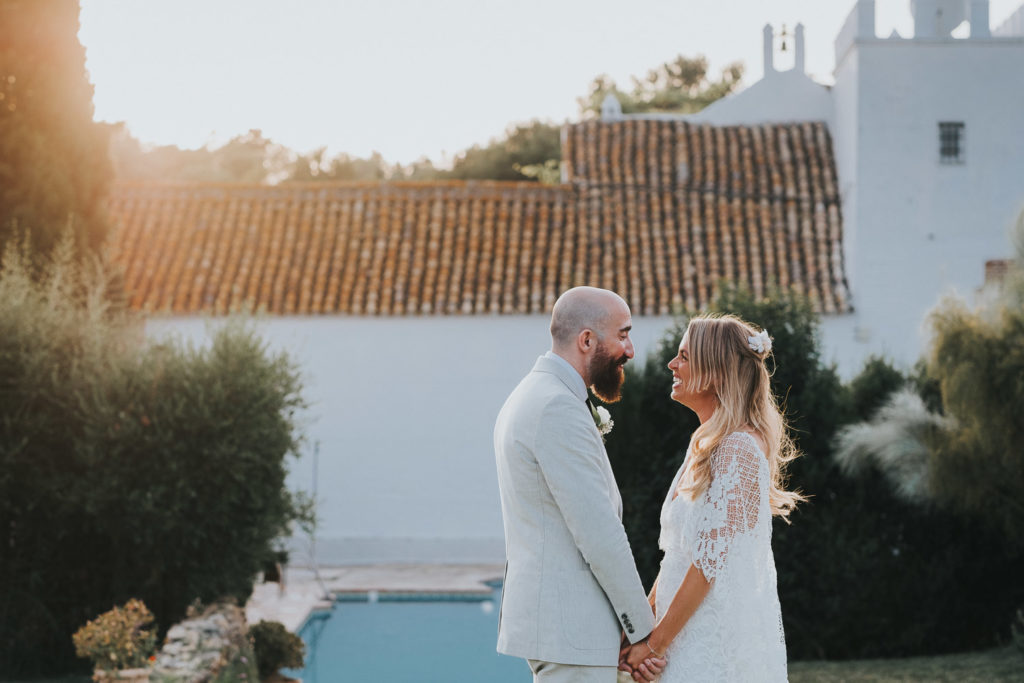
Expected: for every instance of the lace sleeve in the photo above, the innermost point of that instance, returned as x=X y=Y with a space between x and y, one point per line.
x=730 y=506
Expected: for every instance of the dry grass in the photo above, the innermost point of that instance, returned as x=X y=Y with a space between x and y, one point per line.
x=991 y=666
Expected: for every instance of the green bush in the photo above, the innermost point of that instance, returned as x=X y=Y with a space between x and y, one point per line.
x=651 y=431
x=121 y=638
x=1017 y=630
x=861 y=572
x=977 y=359
x=276 y=647
x=127 y=468
x=877 y=380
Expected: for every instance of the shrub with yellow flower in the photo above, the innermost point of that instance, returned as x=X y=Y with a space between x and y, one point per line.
x=123 y=638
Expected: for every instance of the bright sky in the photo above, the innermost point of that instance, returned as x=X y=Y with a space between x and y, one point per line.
x=414 y=78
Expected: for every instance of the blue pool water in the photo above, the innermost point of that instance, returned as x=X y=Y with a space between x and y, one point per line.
x=408 y=639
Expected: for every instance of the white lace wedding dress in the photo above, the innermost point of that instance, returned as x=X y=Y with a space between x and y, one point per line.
x=736 y=633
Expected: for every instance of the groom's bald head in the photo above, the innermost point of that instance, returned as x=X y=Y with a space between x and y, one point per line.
x=590 y=330
x=582 y=308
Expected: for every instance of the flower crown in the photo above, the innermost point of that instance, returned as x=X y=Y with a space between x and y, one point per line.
x=760 y=342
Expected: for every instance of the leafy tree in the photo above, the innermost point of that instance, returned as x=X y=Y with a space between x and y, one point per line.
x=54 y=170
x=250 y=158
x=314 y=166
x=247 y=158
x=422 y=169
x=504 y=158
x=548 y=173
x=679 y=86
x=128 y=469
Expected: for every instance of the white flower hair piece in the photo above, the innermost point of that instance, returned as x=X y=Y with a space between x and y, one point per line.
x=760 y=342
x=606 y=423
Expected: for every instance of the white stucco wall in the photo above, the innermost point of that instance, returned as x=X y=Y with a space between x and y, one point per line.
x=403 y=411
x=779 y=97
x=917 y=228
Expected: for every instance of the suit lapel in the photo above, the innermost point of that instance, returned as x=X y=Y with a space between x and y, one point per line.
x=572 y=383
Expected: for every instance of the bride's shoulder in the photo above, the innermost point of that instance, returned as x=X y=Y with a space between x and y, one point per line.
x=744 y=443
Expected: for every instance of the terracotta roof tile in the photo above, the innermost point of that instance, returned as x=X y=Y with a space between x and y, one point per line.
x=657 y=210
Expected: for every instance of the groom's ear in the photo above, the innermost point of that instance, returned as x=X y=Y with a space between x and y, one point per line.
x=585 y=340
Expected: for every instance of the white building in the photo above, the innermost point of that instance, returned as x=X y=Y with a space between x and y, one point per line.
x=929 y=140
x=415 y=308
x=929 y=143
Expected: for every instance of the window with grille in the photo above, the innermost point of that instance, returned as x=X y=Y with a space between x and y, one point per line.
x=951 y=142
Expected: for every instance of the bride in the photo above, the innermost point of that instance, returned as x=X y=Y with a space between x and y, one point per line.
x=715 y=598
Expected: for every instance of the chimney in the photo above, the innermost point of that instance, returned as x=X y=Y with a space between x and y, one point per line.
x=798 y=62
x=769 y=49
x=996 y=271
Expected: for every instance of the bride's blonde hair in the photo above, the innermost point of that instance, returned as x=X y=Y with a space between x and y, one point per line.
x=721 y=359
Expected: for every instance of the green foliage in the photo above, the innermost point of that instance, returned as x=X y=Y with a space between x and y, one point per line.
x=314 y=166
x=1017 y=630
x=680 y=86
x=248 y=158
x=54 y=170
x=121 y=638
x=977 y=468
x=547 y=173
x=647 y=446
x=652 y=432
x=128 y=468
x=525 y=144
x=525 y=152
x=276 y=647
x=241 y=668
x=860 y=571
x=901 y=551
x=878 y=379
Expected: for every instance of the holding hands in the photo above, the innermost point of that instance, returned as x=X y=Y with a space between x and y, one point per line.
x=640 y=662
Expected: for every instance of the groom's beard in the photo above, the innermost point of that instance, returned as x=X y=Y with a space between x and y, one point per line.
x=607 y=376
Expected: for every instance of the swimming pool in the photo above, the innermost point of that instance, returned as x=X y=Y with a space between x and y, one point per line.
x=408 y=638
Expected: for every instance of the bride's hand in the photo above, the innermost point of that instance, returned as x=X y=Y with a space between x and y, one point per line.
x=644 y=665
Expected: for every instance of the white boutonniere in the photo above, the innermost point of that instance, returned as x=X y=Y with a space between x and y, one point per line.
x=603 y=420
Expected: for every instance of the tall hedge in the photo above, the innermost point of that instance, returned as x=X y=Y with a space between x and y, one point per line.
x=55 y=169
x=860 y=572
x=127 y=468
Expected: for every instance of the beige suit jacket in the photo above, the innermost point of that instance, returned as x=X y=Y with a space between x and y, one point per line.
x=571 y=585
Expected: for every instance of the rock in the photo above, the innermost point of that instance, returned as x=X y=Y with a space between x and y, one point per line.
x=199 y=648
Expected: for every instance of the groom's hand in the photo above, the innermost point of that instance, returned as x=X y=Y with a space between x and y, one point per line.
x=624 y=646
x=638 y=660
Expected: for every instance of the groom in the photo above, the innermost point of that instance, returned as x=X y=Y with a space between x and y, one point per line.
x=572 y=595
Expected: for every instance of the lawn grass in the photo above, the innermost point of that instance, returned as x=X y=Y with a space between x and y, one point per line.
x=995 y=666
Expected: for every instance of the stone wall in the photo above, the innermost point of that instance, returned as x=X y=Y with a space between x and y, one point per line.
x=211 y=645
